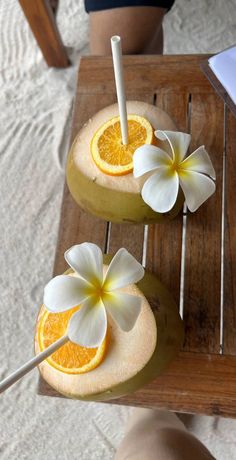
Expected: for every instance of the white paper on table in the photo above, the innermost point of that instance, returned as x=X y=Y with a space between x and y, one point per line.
x=224 y=67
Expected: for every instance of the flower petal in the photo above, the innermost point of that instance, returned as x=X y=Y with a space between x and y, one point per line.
x=160 y=191
x=86 y=259
x=148 y=157
x=124 y=309
x=196 y=187
x=123 y=270
x=199 y=161
x=88 y=325
x=64 y=292
x=179 y=143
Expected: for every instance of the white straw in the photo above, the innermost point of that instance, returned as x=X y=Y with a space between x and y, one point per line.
x=27 y=367
x=120 y=87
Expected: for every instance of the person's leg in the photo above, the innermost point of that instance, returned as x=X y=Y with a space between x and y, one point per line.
x=159 y=435
x=140 y=28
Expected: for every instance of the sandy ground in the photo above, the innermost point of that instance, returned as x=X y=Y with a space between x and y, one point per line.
x=34 y=116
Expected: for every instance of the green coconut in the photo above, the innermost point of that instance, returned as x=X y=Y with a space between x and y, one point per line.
x=114 y=198
x=144 y=353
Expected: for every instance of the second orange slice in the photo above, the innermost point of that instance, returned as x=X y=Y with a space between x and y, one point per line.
x=70 y=358
x=108 y=152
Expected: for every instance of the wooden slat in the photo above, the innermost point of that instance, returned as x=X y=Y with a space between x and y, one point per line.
x=128 y=236
x=144 y=74
x=193 y=383
x=230 y=239
x=203 y=238
x=76 y=226
x=165 y=240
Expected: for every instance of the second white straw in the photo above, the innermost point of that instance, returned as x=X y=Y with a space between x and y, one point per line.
x=120 y=86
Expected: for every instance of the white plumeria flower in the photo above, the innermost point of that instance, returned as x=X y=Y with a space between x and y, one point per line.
x=172 y=169
x=95 y=293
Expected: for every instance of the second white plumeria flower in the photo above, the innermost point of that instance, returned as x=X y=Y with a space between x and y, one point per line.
x=96 y=293
x=171 y=169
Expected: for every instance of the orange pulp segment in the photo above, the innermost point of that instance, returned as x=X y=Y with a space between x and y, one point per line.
x=108 y=152
x=70 y=358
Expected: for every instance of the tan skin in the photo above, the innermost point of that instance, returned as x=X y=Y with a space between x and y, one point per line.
x=139 y=27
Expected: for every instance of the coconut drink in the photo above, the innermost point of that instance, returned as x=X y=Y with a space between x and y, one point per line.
x=128 y=163
x=105 y=329
x=121 y=336
x=110 y=190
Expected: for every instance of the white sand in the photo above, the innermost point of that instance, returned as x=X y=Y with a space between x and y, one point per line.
x=34 y=107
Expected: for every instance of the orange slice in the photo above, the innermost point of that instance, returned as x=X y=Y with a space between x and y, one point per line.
x=70 y=358
x=108 y=152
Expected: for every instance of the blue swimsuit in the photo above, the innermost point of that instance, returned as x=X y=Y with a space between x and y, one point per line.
x=98 y=5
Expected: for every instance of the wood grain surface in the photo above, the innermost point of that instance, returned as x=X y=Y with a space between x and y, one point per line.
x=144 y=74
x=193 y=383
x=202 y=379
x=202 y=283
x=230 y=238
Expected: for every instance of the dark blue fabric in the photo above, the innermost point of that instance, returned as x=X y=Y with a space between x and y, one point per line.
x=98 y=5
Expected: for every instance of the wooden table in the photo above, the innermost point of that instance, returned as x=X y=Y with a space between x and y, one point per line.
x=194 y=255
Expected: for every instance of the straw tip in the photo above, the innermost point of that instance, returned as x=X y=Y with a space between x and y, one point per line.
x=115 y=39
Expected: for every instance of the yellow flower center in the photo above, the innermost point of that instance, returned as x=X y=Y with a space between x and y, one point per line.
x=175 y=167
x=99 y=292
x=102 y=293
